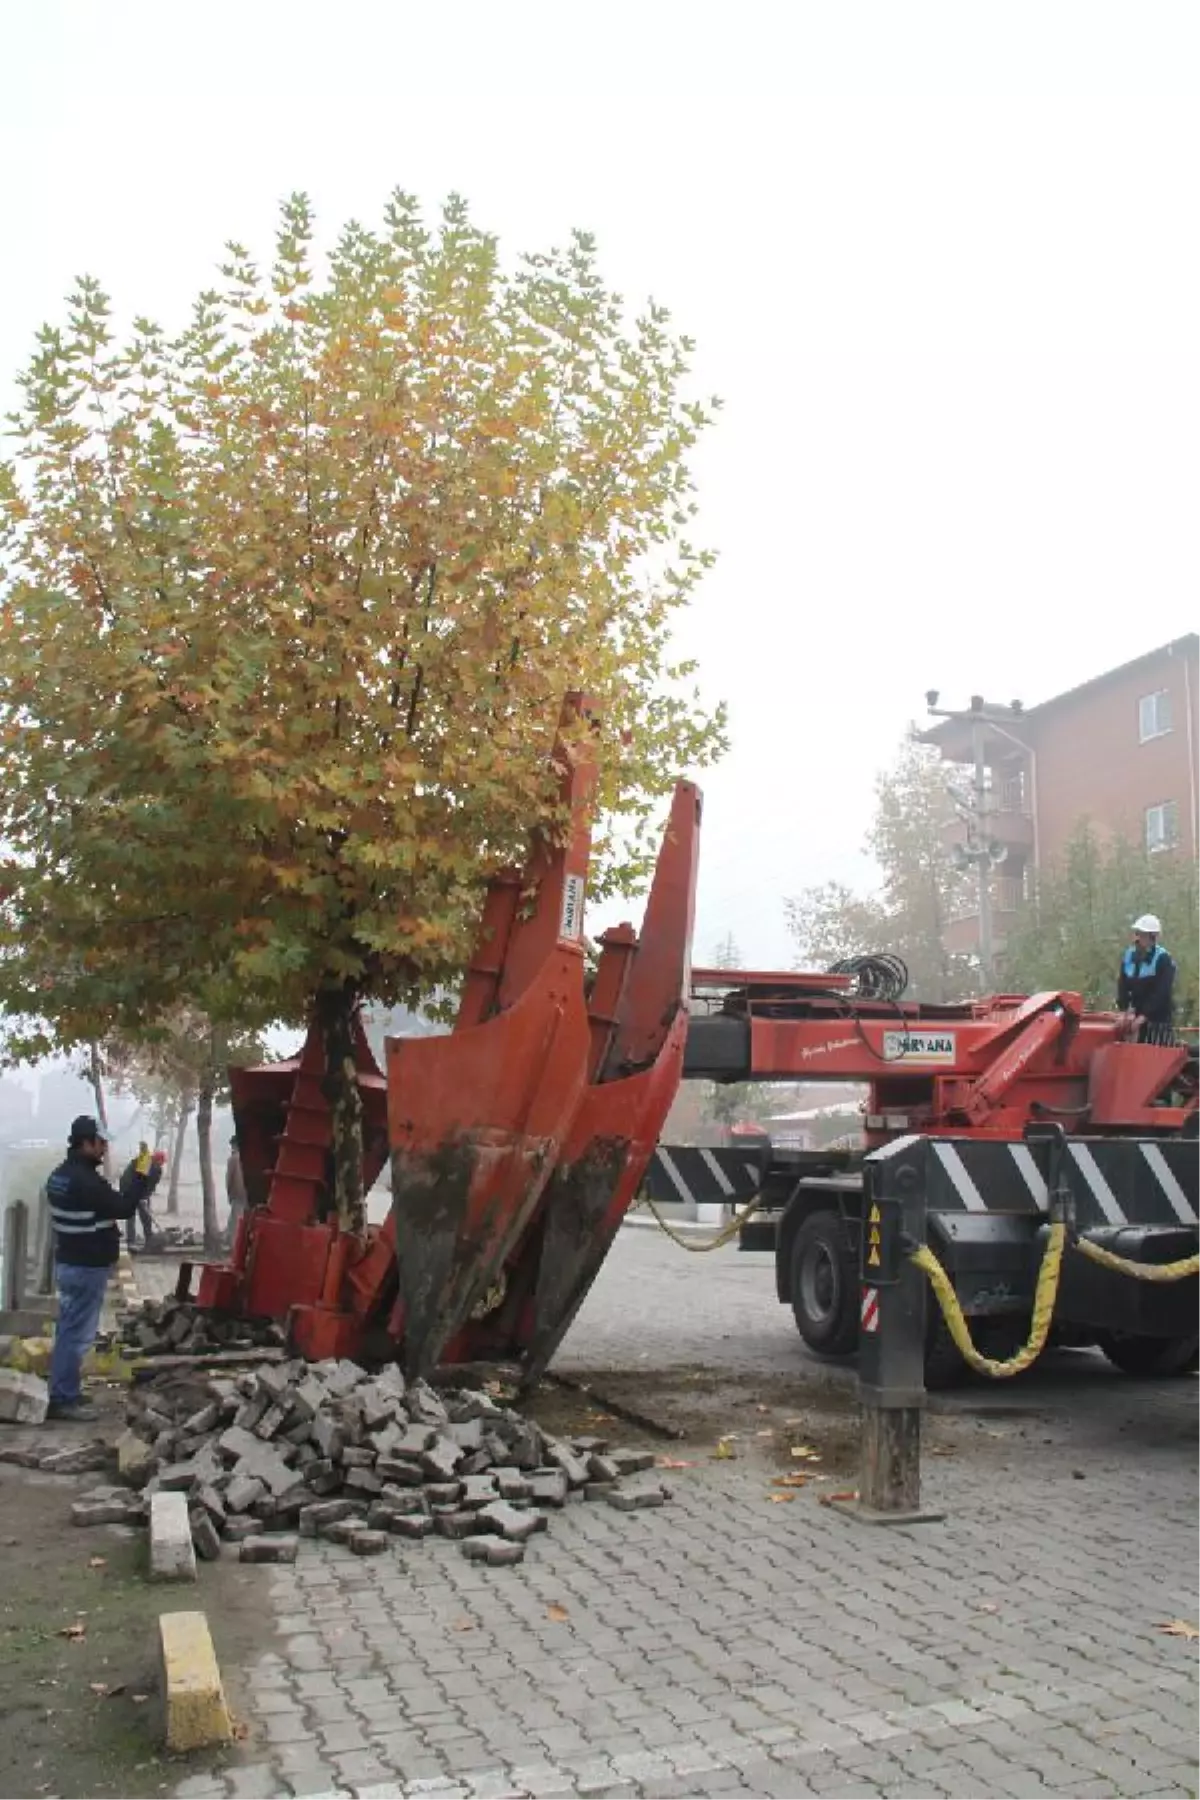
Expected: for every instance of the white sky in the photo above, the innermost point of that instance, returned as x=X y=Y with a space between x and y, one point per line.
x=941 y=260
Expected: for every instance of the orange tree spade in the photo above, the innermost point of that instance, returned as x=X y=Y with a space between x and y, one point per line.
x=290 y=605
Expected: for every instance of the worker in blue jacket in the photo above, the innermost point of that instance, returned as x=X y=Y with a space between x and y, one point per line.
x=1146 y=985
x=84 y=1211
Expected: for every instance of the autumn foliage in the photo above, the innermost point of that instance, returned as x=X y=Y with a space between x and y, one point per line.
x=290 y=604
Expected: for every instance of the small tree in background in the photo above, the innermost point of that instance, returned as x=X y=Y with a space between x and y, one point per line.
x=291 y=604
x=1072 y=938
x=912 y=841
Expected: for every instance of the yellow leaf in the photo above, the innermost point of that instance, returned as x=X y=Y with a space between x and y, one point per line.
x=558 y=1614
x=1179 y=1628
x=780 y=1499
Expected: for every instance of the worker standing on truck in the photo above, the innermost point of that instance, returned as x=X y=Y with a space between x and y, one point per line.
x=1146 y=985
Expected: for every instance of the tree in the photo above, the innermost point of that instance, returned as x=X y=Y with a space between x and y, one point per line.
x=911 y=839
x=293 y=600
x=1071 y=938
x=190 y=1056
x=738 y=1102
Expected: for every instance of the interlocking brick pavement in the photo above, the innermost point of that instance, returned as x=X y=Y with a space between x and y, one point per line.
x=731 y=1645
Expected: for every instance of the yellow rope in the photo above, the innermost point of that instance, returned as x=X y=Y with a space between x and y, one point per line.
x=1044 y=1297
x=723 y=1236
x=1172 y=1271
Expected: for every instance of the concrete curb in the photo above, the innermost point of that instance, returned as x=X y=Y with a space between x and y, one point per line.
x=196 y=1713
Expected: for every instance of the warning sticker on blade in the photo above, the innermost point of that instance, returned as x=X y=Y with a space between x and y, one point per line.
x=572 y=908
x=919 y=1046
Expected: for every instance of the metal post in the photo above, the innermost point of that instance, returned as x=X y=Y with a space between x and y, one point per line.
x=16 y=1255
x=891 y=1356
x=983 y=867
x=43 y=1247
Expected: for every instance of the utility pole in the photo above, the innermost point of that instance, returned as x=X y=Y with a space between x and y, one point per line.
x=980 y=852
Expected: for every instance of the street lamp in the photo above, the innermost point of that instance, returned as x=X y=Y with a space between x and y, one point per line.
x=981 y=851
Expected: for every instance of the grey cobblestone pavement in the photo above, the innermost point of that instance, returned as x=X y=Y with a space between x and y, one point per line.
x=733 y=1644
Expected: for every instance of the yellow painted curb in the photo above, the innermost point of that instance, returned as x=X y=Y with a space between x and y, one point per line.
x=197 y=1715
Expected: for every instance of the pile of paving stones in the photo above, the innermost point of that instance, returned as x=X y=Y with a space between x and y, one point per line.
x=180 y=1328
x=328 y=1450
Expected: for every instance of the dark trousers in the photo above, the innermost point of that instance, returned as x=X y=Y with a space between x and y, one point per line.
x=142 y=1213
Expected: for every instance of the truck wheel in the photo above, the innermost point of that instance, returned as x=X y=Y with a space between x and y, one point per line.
x=1149 y=1355
x=825 y=1285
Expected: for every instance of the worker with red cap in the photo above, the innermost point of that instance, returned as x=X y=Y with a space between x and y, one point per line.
x=1146 y=984
x=139 y=1181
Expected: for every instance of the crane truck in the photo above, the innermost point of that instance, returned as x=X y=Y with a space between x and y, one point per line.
x=518 y=1140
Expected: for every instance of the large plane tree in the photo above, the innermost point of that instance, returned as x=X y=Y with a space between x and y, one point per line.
x=290 y=604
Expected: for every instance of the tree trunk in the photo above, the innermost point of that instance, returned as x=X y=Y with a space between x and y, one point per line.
x=208 y=1187
x=335 y=1016
x=95 y=1077
x=181 y=1125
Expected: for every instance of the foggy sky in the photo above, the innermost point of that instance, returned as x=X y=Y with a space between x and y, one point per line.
x=940 y=260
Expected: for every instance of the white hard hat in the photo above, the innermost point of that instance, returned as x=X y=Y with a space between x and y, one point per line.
x=1148 y=923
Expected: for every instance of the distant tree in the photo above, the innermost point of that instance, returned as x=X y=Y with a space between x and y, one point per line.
x=737 y=1102
x=1072 y=934
x=911 y=840
x=727 y=955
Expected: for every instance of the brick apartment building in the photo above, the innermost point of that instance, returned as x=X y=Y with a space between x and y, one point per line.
x=1119 y=751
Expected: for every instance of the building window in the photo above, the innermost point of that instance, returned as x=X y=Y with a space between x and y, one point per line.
x=1154 y=716
x=1162 y=826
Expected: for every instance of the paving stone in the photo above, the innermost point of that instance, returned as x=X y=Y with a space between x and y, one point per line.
x=511 y=1484
x=631 y=1461
x=511 y=1522
x=401 y=1471
x=136 y=1460
x=636 y=1499
x=561 y=1456
x=407 y=1500
x=466 y=1433
x=363 y=1481
x=411 y=1525
x=602 y=1468
x=24 y=1397
x=328 y=1437
x=358 y=1458
x=273 y=1419
x=281 y=1549
x=443 y=1493
x=548 y=1487
x=340 y=1531
x=457 y=1524
x=368 y=1542
x=478 y=1490
x=239 y=1526
x=206 y=1540
x=441 y=1459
